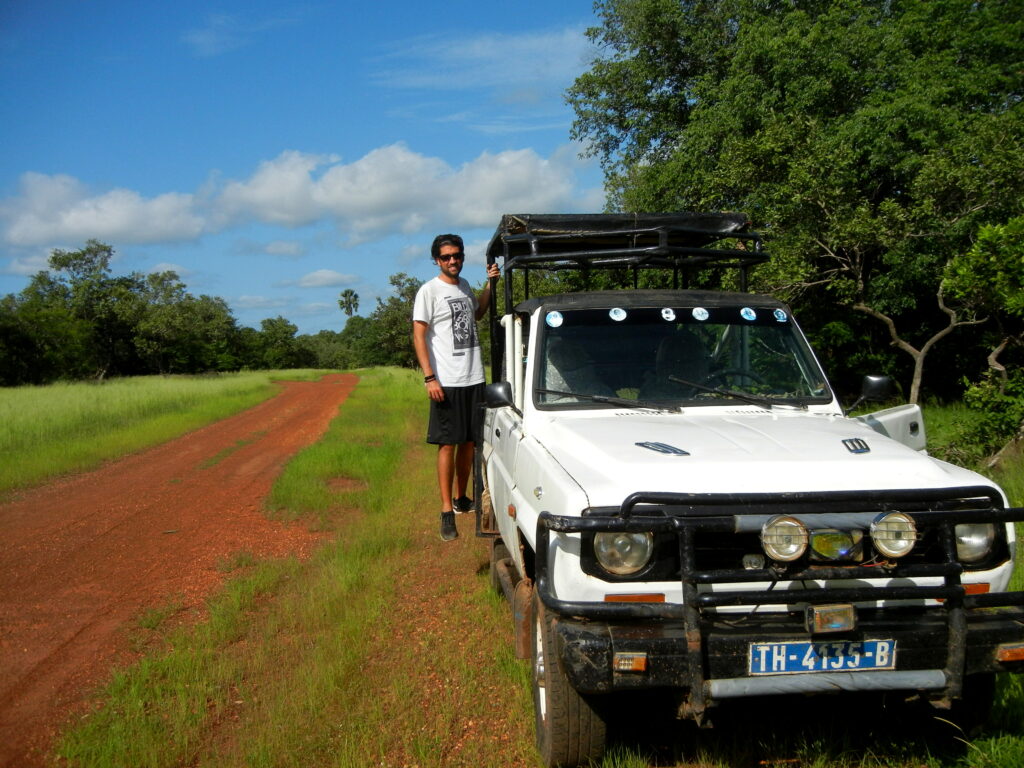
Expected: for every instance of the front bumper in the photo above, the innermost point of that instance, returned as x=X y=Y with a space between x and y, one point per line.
x=942 y=633
x=587 y=650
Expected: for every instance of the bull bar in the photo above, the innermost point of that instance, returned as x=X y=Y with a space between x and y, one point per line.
x=686 y=514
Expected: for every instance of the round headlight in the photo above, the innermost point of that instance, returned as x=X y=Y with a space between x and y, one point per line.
x=784 y=538
x=894 y=534
x=623 y=553
x=974 y=541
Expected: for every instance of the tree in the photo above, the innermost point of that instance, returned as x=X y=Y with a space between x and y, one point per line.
x=871 y=139
x=179 y=333
x=277 y=338
x=327 y=349
x=991 y=276
x=349 y=302
x=391 y=322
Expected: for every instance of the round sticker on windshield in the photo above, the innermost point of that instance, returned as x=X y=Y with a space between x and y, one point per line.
x=699 y=313
x=553 y=319
x=618 y=314
x=780 y=315
x=748 y=314
x=668 y=314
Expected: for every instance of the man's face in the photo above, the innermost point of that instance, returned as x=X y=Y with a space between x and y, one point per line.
x=450 y=260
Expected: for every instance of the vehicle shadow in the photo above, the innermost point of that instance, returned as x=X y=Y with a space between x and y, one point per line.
x=883 y=729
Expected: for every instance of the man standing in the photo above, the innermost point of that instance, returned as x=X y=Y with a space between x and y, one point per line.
x=448 y=350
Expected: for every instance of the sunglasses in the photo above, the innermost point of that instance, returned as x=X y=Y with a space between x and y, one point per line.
x=450 y=256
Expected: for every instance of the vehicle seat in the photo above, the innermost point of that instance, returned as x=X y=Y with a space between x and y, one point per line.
x=683 y=356
x=568 y=368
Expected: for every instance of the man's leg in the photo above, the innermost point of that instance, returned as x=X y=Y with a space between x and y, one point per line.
x=445 y=474
x=446 y=462
x=463 y=468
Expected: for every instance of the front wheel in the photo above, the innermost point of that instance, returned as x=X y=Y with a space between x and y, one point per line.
x=569 y=731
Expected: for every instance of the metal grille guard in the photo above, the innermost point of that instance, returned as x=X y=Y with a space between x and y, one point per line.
x=684 y=514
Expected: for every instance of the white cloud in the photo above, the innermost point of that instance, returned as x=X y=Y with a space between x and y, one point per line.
x=223 y=32
x=393 y=189
x=51 y=209
x=28 y=265
x=288 y=248
x=515 y=81
x=315 y=309
x=390 y=190
x=165 y=266
x=279 y=192
x=220 y=34
x=258 y=302
x=518 y=64
x=328 y=278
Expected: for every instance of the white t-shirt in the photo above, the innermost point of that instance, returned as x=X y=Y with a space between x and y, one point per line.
x=450 y=314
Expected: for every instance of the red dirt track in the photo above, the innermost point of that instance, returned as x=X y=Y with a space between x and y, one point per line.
x=84 y=556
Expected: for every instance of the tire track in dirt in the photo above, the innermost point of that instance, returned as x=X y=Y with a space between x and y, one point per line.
x=84 y=555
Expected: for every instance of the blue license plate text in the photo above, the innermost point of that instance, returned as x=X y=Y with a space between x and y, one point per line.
x=832 y=656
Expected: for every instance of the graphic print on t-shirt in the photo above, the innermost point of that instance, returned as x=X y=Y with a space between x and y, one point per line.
x=463 y=327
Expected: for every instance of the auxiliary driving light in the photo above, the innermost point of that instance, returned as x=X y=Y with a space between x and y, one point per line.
x=974 y=541
x=894 y=534
x=837 y=546
x=784 y=538
x=820 y=619
x=623 y=553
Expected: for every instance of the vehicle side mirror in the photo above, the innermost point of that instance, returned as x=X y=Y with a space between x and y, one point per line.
x=498 y=394
x=872 y=388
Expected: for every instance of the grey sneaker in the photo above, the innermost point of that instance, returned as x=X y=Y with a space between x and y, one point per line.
x=448 y=529
x=463 y=504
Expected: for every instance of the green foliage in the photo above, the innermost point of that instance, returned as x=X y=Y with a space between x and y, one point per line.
x=77 y=321
x=1000 y=406
x=348 y=301
x=991 y=273
x=870 y=139
x=992 y=414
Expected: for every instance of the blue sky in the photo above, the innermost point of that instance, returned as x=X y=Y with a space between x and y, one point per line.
x=274 y=154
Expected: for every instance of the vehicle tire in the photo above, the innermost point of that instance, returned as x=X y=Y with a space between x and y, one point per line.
x=499 y=552
x=569 y=731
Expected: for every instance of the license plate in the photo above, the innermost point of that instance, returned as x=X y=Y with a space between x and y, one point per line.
x=832 y=656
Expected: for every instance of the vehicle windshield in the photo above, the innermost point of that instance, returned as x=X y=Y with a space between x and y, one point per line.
x=674 y=356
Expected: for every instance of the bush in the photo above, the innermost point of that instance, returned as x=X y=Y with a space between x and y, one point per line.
x=994 y=416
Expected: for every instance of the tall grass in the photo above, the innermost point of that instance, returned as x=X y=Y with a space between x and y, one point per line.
x=66 y=427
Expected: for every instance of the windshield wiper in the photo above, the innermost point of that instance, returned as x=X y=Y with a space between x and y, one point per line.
x=762 y=402
x=645 y=404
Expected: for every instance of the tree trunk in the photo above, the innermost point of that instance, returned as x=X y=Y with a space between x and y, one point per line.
x=918 y=354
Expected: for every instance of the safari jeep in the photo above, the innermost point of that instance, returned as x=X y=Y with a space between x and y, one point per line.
x=678 y=501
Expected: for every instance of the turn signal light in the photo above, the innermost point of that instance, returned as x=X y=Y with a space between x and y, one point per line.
x=625 y=661
x=1010 y=652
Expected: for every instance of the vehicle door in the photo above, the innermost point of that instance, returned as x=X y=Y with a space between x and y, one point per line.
x=903 y=423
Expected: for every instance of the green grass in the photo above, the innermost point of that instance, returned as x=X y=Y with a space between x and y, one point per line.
x=310 y=620
x=59 y=428
x=316 y=663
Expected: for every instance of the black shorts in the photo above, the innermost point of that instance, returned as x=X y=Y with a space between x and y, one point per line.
x=455 y=419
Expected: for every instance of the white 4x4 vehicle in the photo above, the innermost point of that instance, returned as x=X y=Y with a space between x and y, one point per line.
x=678 y=501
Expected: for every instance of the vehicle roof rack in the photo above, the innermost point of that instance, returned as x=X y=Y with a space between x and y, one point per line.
x=683 y=240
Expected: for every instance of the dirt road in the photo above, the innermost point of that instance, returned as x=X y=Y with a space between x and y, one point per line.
x=82 y=557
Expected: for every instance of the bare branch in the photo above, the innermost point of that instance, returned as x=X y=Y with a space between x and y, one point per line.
x=891 y=325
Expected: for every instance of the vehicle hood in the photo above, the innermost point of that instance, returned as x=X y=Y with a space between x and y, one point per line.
x=618 y=453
